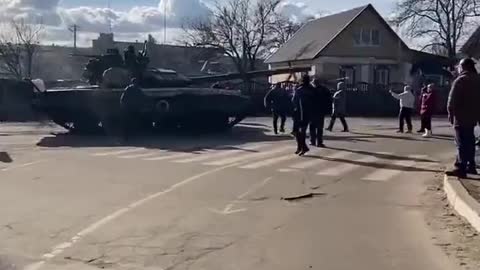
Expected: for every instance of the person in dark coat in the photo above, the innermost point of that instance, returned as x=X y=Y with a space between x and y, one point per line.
x=130 y=59
x=322 y=101
x=339 y=107
x=278 y=102
x=302 y=103
x=463 y=113
x=427 y=109
x=132 y=101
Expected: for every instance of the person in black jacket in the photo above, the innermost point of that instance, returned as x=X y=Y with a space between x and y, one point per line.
x=278 y=102
x=302 y=103
x=131 y=102
x=322 y=101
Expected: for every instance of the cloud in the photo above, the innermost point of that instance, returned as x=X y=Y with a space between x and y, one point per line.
x=296 y=11
x=137 y=20
x=32 y=11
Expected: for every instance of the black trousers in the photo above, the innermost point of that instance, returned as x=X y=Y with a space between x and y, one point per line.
x=405 y=115
x=301 y=135
x=316 y=130
x=131 y=122
x=426 y=120
x=283 y=118
x=465 y=141
x=342 y=119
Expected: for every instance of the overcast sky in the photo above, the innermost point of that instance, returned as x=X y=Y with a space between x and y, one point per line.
x=134 y=19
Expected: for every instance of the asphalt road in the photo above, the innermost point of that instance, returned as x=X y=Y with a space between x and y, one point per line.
x=240 y=200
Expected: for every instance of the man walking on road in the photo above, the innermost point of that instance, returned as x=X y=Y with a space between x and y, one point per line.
x=339 y=107
x=132 y=101
x=463 y=113
x=278 y=102
x=407 y=101
x=302 y=101
x=322 y=101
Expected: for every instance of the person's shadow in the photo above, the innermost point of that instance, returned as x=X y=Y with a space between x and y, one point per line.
x=5 y=157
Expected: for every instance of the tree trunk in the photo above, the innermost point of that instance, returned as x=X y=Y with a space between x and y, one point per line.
x=29 y=64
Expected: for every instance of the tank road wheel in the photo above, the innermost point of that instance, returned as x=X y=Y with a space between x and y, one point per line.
x=86 y=127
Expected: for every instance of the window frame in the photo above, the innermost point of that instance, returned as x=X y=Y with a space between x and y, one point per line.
x=385 y=71
x=360 y=34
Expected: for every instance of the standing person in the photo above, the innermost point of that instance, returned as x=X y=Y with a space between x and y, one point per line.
x=427 y=109
x=132 y=101
x=302 y=110
x=323 y=102
x=339 y=107
x=278 y=102
x=463 y=113
x=407 y=102
x=422 y=91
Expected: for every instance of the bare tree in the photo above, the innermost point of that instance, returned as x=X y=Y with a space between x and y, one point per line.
x=19 y=43
x=442 y=22
x=239 y=28
x=281 y=30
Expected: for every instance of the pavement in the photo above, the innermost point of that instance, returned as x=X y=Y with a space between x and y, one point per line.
x=239 y=200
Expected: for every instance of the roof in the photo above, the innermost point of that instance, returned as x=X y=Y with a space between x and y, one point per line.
x=472 y=46
x=421 y=56
x=316 y=35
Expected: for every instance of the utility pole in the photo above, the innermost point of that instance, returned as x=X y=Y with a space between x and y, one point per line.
x=109 y=6
x=164 y=21
x=74 y=30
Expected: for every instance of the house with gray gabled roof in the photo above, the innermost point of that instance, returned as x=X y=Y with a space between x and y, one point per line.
x=357 y=44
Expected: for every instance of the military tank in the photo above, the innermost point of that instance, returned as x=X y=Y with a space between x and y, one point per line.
x=174 y=100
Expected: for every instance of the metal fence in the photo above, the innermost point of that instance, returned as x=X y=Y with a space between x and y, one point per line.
x=363 y=99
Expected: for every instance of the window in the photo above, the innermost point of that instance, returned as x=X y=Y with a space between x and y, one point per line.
x=367 y=37
x=375 y=37
x=356 y=37
x=382 y=76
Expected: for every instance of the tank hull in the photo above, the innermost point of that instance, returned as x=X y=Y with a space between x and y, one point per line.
x=92 y=109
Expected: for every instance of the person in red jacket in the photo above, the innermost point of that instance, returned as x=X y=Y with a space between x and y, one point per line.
x=427 y=109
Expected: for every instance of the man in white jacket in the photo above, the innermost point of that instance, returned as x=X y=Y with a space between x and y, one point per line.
x=407 y=102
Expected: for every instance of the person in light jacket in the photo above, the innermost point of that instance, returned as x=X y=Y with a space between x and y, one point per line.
x=407 y=102
x=339 y=107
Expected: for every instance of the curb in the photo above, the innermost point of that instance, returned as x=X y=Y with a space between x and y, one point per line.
x=462 y=202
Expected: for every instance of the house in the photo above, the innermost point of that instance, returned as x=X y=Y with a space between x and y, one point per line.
x=356 y=44
x=471 y=48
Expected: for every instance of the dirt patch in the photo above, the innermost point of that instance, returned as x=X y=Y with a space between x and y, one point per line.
x=452 y=234
x=473 y=186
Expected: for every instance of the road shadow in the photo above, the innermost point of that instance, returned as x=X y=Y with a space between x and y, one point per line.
x=178 y=141
x=5 y=157
x=376 y=165
x=360 y=138
x=382 y=156
x=444 y=137
x=383 y=136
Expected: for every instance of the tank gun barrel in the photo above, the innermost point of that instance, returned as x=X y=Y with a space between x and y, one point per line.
x=249 y=75
x=85 y=55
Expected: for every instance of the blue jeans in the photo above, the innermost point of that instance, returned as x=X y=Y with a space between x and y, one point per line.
x=465 y=140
